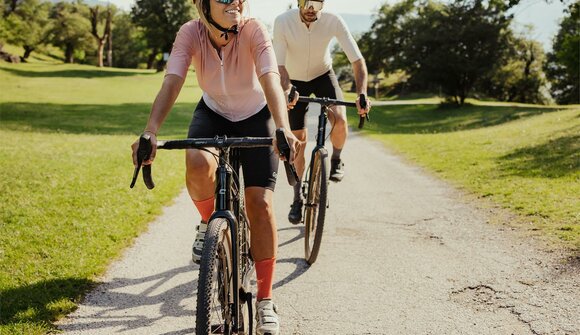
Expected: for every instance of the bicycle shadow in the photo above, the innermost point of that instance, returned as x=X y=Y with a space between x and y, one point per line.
x=122 y=302
x=300 y=264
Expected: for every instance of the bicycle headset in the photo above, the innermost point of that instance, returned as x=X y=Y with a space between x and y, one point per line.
x=204 y=11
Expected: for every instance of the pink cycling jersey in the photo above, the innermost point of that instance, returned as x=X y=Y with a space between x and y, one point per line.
x=229 y=79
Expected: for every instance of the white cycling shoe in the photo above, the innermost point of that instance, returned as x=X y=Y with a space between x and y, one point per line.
x=198 y=243
x=267 y=318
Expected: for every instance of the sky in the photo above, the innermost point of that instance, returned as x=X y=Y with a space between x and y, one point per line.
x=543 y=14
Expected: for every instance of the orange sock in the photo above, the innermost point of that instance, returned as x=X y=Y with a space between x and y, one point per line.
x=205 y=208
x=265 y=277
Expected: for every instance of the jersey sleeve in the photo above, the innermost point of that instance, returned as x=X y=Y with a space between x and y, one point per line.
x=262 y=50
x=346 y=41
x=182 y=51
x=280 y=43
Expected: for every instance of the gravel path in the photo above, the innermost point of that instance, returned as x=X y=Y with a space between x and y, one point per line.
x=402 y=253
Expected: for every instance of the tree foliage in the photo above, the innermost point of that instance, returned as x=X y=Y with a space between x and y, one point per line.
x=563 y=65
x=129 y=44
x=71 y=29
x=161 y=20
x=519 y=76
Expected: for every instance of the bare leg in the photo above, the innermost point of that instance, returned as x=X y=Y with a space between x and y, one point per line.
x=299 y=162
x=262 y=223
x=200 y=174
x=337 y=118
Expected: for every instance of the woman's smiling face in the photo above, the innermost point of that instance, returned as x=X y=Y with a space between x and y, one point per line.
x=227 y=15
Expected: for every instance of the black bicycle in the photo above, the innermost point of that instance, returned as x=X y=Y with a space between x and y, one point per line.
x=315 y=186
x=224 y=297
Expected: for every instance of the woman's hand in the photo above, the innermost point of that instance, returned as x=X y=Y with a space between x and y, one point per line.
x=135 y=146
x=292 y=143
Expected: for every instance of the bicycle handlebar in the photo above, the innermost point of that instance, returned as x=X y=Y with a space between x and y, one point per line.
x=332 y=102
x=145 y=148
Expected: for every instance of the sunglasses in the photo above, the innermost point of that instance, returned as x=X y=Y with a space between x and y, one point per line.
x=227 y=2
x=315 y=5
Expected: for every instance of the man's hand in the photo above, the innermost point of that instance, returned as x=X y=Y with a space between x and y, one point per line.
x=291 y=100
x=363 y=111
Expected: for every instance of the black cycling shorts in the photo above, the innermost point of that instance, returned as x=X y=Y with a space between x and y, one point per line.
x=260 y=165
x=324 y=86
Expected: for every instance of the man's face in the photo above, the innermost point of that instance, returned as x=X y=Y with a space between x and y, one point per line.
x=311 y=10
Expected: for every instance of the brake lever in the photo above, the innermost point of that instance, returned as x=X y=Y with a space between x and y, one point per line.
x=284 y=149
x=143 y=153
x=363 y=104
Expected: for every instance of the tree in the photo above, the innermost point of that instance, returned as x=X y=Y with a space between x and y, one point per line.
x=29 y=26
x=71 y=29
x=129 y=44
x=519 y=77
x=101 y=17
x=562 y=67
x=161 y=20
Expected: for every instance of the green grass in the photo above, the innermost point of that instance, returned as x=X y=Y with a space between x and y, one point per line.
x=525 y=158
x=67 y=210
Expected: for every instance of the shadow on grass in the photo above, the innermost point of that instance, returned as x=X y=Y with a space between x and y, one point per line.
x=42 y=302
x=96 y=73
x=553 y=159
x=91 y=119
x=427 y=119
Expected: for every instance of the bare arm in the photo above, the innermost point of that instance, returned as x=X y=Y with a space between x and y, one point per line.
x=359 y=68
x=275 y=98
x=284 y=77
x=165 y=99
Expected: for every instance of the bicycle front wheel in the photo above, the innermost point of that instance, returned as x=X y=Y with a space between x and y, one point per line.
x=214 y=288
x=315 y=209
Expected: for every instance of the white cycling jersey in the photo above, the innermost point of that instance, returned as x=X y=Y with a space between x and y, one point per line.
x=305 y=51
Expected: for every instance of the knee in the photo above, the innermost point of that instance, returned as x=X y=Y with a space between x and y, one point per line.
x=196 y=162
x=258 y=205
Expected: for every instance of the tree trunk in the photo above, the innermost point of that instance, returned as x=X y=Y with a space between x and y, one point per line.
x=151 y=59
x=94 y=31
x=100 y=49
x=27 y=51
x=109 y=33
x=69 y=54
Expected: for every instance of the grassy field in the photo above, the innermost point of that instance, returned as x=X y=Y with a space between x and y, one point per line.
x=67 y=209
x=525 y=158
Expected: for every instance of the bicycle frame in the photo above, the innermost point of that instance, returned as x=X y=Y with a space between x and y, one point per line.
x=225 y=210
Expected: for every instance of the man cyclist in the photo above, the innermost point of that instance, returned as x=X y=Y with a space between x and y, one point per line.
x=237 y=71
x=301 y=41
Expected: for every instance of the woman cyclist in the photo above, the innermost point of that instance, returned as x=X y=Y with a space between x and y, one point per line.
x=242 y=96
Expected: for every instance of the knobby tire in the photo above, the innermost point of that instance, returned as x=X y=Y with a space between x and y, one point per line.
x=214 y=291
x=315 y=209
